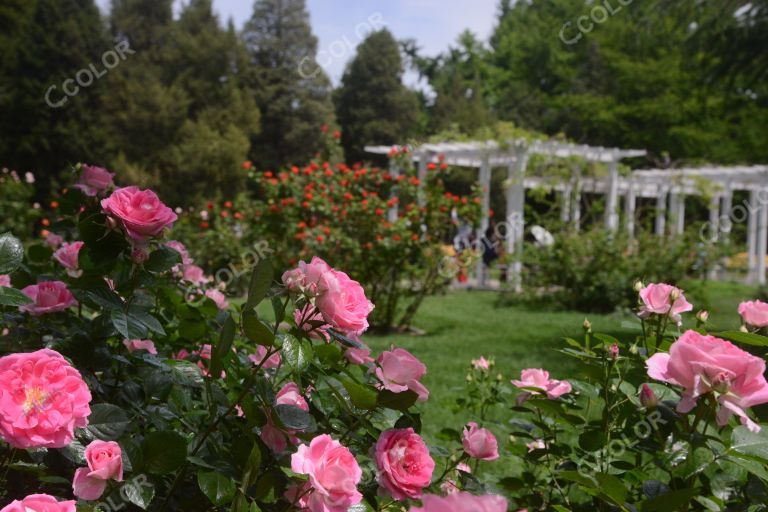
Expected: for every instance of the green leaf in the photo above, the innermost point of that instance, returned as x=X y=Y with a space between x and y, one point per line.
x=749 y=443
x=138 y=494
x=143 y=317
x=296 y=354
x=192 y=329
x=128 y=326
x=673 y=500
x=261 y=281
x=39 y=253
x=12 y=297
x=397 y=401
x=222 y=350
x=361 y=396
x=162 y=260
x=11 y=253
x=217 y=487
x=163 y=452
x=294 y=418
x=344 y=340
x=251 y=469
x=747 y=338
x=255 y=330
x=107 y=422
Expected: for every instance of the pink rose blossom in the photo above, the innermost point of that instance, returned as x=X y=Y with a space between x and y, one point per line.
x=105 y=462
x=140 y=212
x=398 y=370
x=5 y=280
x=53 y=240
x=179 y=247
x=42 y=400
x=94 y=180
x=343 y=303
x=754 y=313
x=481 y=364
x=218 y=298
x=313 y=323
x=195 y=275
x=333 y=474
x=40 y=503
x=658 y=299
x=306 y=277
x=134 y=345
x=47 y=297
x=405 y=467
x=290 y=394
x=358 y=355
x=462 y=502
x=705 y=364
x=648 y=397
x=479 y=443
x=275 y=438
x=67 y=255
x=539 y=379
x=261 y=353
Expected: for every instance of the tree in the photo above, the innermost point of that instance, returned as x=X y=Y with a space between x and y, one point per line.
x=291 y=91
x=44 y=43
x=373 y=105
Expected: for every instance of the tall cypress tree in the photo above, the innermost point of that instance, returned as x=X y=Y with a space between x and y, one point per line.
x=291 y=91
x=373 y=106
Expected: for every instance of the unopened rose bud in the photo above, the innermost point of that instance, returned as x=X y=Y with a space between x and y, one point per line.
x=674 y=295
x=499 y=378
x=111 y=223
x=638 y=286
x=613 y=351
x=139 y=255
x=702 y=316
x=743 y=328
x=469 y=378
x=633 y=349
x=648 y=397
x=587 y=325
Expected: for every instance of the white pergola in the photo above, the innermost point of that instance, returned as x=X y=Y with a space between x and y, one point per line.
x=668 y=186
x=514 y=156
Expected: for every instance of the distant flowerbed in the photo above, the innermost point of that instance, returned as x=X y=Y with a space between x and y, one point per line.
x=128 y=379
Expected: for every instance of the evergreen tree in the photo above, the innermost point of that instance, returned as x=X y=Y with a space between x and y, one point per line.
x=373 y=106
x=291 y=91
x=44 y=43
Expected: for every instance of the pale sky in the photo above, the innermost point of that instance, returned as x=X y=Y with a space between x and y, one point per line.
x=338 y=24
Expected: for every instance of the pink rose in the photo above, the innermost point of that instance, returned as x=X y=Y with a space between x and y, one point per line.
x=94 y=180
x=705 y=364
x=218 y=298
x=658 y=299
x=398 y=370
x=195 y=275
x=539 y=379
x=290 y=394
x=261 y=353
x=275 y=439
x=134 y=345
x=754 y=313
x=479 y=443
x=306 y=277
x=481 y=364
x=67 y=255
x=140 y=212
x=310 y=320
x=179 y=247
x=333 y=474
x=40 y=503
x=47 y=297
x=405 y=467
x=358 y=355
x=5 y=280
x=42 y=400
x=462 y=502
x=648 y=397
x=343 y=303
x=53 y=240
x=105 y=462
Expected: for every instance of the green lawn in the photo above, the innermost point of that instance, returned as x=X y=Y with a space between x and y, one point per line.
x=461 y=326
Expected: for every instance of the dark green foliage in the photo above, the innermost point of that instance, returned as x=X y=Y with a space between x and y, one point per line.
x=373 y=105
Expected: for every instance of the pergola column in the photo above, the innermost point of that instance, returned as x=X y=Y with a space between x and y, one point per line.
x=576 y=201
x=661 y=211
x=515 y=220
x=394 y=172
x=612 y=199
x=762 y=235
x=677 y=209
x=630 y=204
x=725 y=216
x=485 y=186
x=422 y=176
x=714 y=217
x=565 y=203
x=752 y=215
